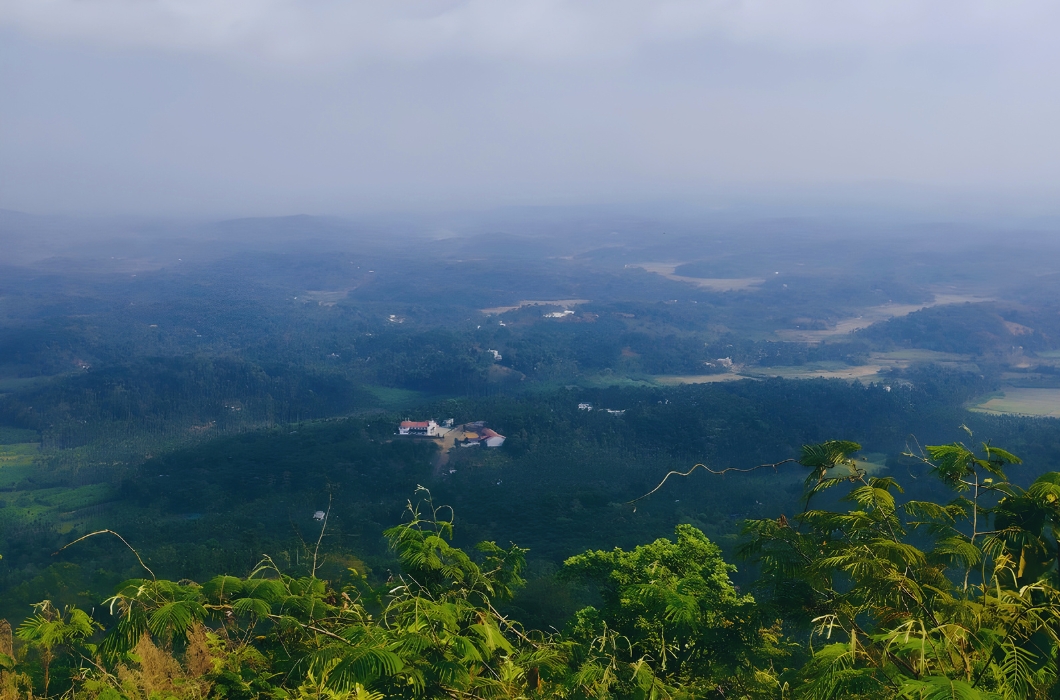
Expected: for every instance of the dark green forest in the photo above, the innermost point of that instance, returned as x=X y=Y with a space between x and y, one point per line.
x=203 y=495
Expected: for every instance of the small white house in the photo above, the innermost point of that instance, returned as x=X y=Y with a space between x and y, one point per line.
x=585 y=407
x=427 y=428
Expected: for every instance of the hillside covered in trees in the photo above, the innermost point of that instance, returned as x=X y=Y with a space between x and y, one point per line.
x=878 y=598
x=202 y=494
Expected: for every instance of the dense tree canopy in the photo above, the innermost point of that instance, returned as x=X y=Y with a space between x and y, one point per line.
x=878 y=598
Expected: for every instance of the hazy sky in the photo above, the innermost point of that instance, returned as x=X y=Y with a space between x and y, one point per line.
x=246 y=107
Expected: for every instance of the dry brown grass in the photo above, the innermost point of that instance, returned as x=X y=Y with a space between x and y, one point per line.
x=13 y=686
x=159 y=674
x=198 y=661
x=7 y=640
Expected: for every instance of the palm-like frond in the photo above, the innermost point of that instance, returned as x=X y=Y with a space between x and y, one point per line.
x=943 y=688
x=175 y=619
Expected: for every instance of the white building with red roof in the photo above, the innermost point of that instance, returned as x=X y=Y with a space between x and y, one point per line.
x=480 y=436
x=427 y=428
x=491 y=438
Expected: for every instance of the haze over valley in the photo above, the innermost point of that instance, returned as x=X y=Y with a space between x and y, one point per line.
x=553 y=350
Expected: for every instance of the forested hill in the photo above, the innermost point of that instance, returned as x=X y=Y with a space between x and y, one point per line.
x=837 y=588
x=202 y=492
x=559 y=485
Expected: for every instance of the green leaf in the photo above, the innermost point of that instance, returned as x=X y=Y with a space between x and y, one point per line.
x=942 y=688
x=996 y=454
x=828 y=454
x=934 y=511
x=960 y=550
x=361 y=665
x=952 y=462
x=1046 y=488
x=175 y=619
x=251 y=607
x=222 y=587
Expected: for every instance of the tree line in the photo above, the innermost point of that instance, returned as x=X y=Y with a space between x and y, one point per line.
x=876 y=598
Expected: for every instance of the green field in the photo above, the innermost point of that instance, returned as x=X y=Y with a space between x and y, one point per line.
x=1023 y=402
x=816 y=370
x=394 y=398
x=22 y=505
x=16 y=462
x=906 y=355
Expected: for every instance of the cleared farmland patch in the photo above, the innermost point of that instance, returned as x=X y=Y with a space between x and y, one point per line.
x=676 y=380
x=16 y=463
x=1023 y=402
x=496 y=310
x=715 y=284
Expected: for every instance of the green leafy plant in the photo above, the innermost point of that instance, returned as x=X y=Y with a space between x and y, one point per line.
x=918 y=599
x=49 y=631
x=679 y=623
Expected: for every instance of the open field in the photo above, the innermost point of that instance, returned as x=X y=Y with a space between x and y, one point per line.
x=1022 y=402
x=16 y=462
x=9 y=384
x=535 y=302
x=868 y=372
x=394 y=398
x=673 y=380
x=602 y=380
x=40 y=505
x=908 y=355
x=871 y=315
x=53 y=505
x=712 y=283
x=864 y=373
x=325 y=297
x=21 y=453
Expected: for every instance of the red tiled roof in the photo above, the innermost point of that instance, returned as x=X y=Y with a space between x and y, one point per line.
x=486 y=432
x=415 y=424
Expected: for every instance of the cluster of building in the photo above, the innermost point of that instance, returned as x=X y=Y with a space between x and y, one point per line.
x=467 y=435
x=478 y=434
x=612 y=411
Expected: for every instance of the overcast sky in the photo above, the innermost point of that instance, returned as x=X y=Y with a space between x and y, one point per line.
x=258 y=107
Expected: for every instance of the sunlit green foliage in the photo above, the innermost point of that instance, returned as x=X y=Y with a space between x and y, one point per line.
x=882 y=598
x=920 y=599
x=677 y=613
